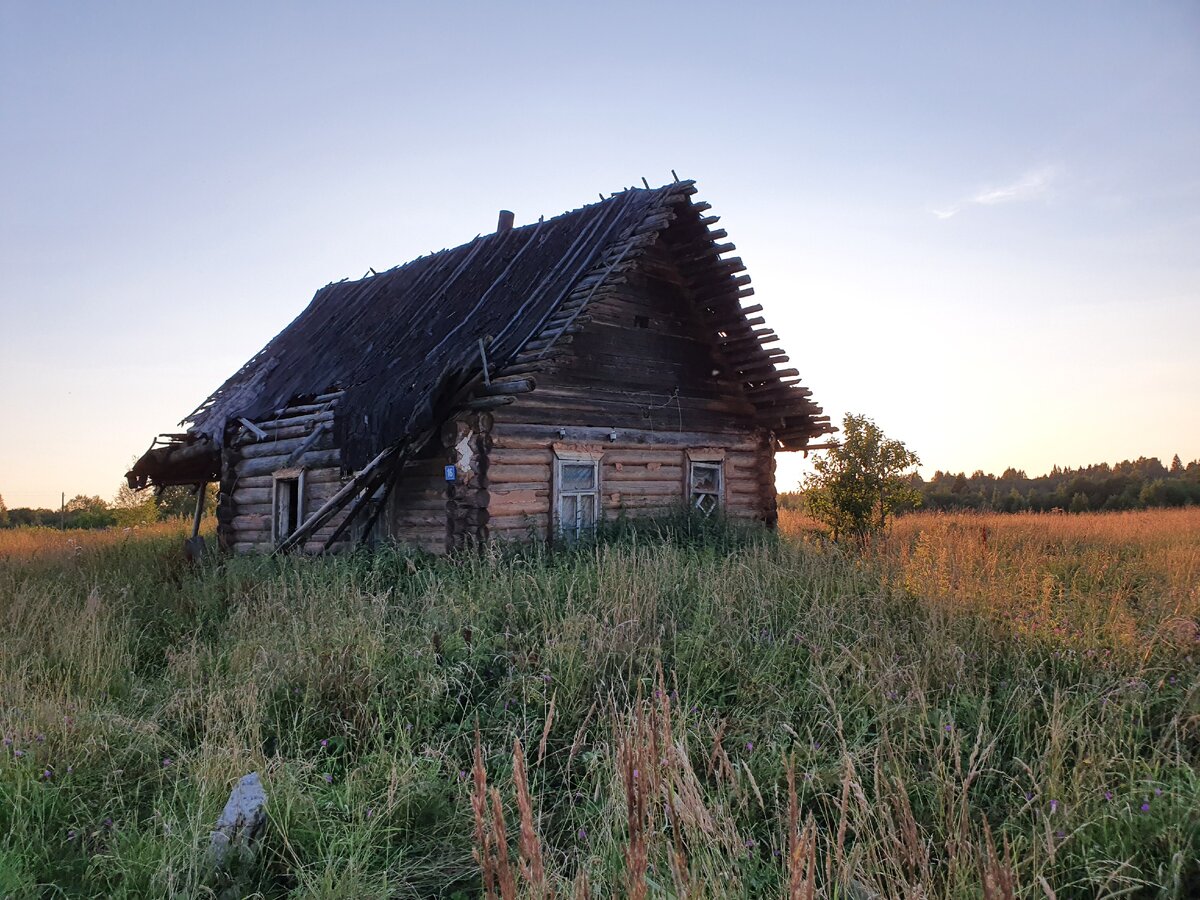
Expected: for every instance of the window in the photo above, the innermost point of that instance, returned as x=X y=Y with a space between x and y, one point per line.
x=287 y=503
x=576 y=493
x=705 y=485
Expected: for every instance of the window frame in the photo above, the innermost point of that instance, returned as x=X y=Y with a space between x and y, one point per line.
x=575 y=456
x=705 y=458
x=286 y=477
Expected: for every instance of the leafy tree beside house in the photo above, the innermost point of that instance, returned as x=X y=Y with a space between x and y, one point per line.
x=861 y=481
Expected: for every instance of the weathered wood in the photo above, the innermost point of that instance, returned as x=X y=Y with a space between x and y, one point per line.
x=318 y=459
x=480 y=404
x=499 y=474
x=283 y=448
x=309 y=443
x=311 y=477
x=502 y=386
x=252 y=428
x=521 y=435
x=331 y=506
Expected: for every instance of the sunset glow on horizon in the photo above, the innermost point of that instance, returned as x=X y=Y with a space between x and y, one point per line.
x=979 y=228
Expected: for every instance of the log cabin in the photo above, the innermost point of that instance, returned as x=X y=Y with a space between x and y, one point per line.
x=526 y=385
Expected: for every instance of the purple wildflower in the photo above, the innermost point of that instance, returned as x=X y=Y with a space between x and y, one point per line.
x=328 y=778
x=1158 y=792
x=1145 y=807
x=18 y=753
x=71 y=834
x=7 y=741
x=1108 y=795
x=1053 y=806
x=636 y=773
x=750 y=745
x=166 y=762
x=583 y=834
x=949 y=728
x=370 y=812
x=324 y=742
x=47 y=774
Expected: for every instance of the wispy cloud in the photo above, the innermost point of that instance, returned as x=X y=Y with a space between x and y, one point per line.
x=1033 y=184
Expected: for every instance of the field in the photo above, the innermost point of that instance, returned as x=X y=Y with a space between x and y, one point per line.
x=981 y=706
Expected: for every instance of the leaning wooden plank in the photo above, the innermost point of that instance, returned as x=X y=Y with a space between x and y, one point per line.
x=254 y=429
x=337 y=501
x=307 y=443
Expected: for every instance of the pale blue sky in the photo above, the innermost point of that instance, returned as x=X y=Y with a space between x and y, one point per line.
x=979 y=226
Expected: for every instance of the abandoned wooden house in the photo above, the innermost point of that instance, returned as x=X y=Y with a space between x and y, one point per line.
x=525 y=385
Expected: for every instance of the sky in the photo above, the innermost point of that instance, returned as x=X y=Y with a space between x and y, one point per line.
x=977 y=224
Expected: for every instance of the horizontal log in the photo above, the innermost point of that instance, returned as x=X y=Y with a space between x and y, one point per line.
x=663 y=456
x=635 y=474
x=481 y=404
x=518 y=522
x=283 y=447
x=502 y=474
x=502 y=386
x=644 y=487
x=501 y=456
x=311 y=476
x=246 y=496
x=416 y=519
x=519 y=507
x=302 y=409
x=512 y=486
x=519 y=435
x=305 y=421
x=317 y=459
x=251 y=522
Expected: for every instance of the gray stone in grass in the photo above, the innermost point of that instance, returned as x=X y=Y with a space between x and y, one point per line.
x=239 y=824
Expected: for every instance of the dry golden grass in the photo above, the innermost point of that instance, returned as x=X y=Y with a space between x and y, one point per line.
x=24 y=544
x=1096 y=582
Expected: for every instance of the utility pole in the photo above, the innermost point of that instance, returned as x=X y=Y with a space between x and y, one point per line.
x=62 y=512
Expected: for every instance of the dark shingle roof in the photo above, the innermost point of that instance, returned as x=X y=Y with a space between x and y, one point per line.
x=391 y=341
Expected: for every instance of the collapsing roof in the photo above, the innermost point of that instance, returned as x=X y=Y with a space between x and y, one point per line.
x=401 y=345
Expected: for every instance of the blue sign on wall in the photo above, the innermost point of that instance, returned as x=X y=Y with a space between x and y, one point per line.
x=452 y=473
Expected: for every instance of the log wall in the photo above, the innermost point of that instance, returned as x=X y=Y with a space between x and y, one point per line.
x=416 y=507
x=297 y=437
x=641 y=383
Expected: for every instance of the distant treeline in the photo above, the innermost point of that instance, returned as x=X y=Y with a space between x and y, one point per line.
x=1142 y=483
x=127 y=509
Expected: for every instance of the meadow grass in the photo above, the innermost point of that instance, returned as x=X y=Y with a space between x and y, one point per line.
x=978 y=707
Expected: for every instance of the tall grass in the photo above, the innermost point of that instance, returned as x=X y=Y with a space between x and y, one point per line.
x=677 y=715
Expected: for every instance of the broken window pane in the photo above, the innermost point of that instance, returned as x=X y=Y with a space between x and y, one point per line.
x=578 y=477
x=706 y=478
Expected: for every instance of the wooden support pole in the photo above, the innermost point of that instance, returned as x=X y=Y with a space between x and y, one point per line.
x=200 y=492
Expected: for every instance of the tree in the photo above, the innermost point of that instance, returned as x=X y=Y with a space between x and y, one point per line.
x=132 y=507
x=1176 y=465
x=862 y=480
x=3 y=514
x=88 y=512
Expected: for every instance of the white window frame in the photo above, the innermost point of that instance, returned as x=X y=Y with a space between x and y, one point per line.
x=710 y=459
x=576 y=456
x=286 y=476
